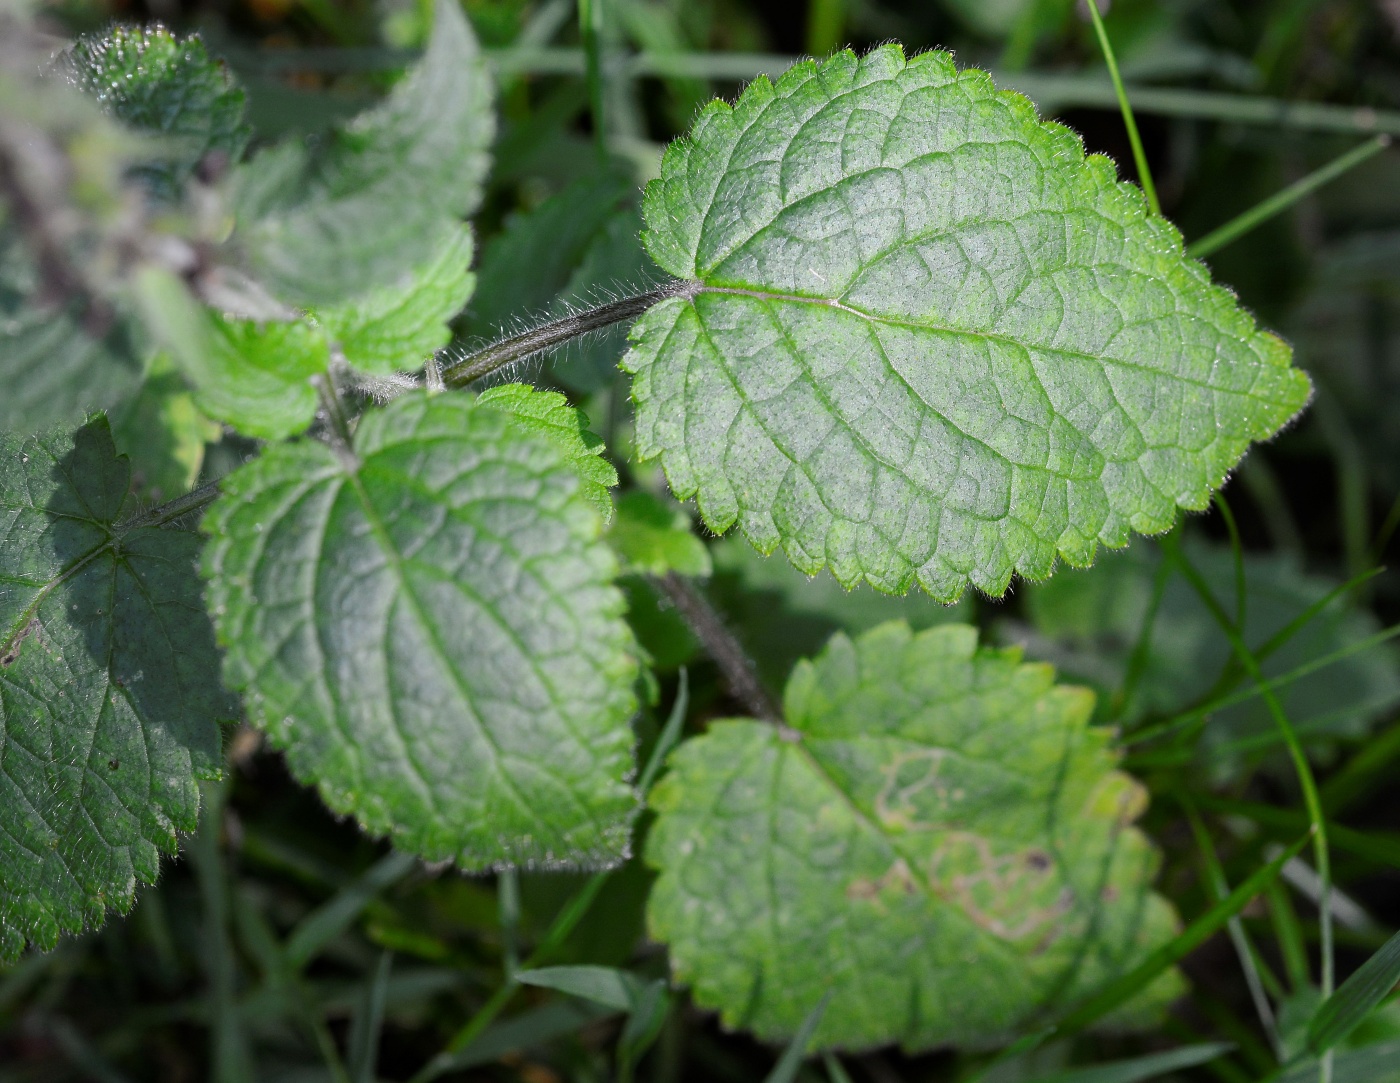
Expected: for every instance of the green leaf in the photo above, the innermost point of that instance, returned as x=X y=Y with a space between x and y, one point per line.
x=429 y=629
x=156 y=82
x=257 y=376
x=109 y=691
x=163 y=433
x=323 y=228
x=53 y=369
x=653 y=536
x=924 y=338
x=603 y=985
x=398 y=327
x=1087 y=624
x=936 y=835
x=549 y=414
x=1350 y=1005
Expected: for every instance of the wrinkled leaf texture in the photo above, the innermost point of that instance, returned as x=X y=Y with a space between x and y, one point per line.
x=430 y=630
x=109 y=692
x=937 y=837
x=925 y=338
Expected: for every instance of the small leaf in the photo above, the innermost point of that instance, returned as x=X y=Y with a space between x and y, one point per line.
x=939 y=839
x=257 y=376
x=925 y=339
x=790 y=1063
x=603 y=985
x=653 y=537
x=549 y=414
x=1350 y=1005
x=109 y=691
x=431 y=633
x=321 y=229
x=396 y=328
x=156 y=82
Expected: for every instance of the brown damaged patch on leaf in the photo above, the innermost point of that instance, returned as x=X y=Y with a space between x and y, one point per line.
x=11 y=654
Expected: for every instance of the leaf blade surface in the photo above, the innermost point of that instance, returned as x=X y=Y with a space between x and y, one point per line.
x=939 y=839
x=927 y=339
x=439 y=645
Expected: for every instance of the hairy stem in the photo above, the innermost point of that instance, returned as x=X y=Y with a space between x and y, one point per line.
x=720 y=645
x=528 y=343
x=174 y=509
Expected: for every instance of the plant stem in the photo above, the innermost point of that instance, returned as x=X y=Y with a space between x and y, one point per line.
x=538 y=339
x=173 y=509
x=721 y=645
x=1300 y=765
x=1139 y=155
x=1220 y=886
x=1276 y=204
x=590 y=25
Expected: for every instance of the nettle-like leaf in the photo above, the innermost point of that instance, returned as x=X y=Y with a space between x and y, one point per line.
x=399 y=326
x=936 y=836
x=430 y=630
x=156 y=82
x=925 y=338
x=548 y=414
x=1088 y=623
x=321 y=229
x=109 y=692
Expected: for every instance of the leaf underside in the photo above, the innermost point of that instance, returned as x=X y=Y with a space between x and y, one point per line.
x=432 y=635
x=927 y=338
x=939 y=839
x=109 y=692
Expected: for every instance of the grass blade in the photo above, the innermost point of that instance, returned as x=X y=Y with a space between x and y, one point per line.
x=670 y=734
x=834 y=1069
x=1139 y=155
x=1138 y=1069
x=785 y=1071
x=1346 y=1009
x=1276 y=204
x=329 y=920
x=1190 y=938
x=363 y=1046
x=603 y=985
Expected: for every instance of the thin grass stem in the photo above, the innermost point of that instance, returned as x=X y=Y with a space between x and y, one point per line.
x=1276 y=204
x=1130 y=122
x=1300 y=765
x=590 y=28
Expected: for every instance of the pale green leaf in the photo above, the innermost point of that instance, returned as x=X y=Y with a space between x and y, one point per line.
x=163 y=433
x=653 y=536
x=109 y=692
x=1088 y=622
x=549 y=414
x=924 y=338
x=396 y=328
x=936 y=836
x=431 y=632
x=322 y=228
x=156 y=82
x=257 y=376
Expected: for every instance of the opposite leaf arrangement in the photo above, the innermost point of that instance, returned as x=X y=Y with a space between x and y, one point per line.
x=912 y=333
